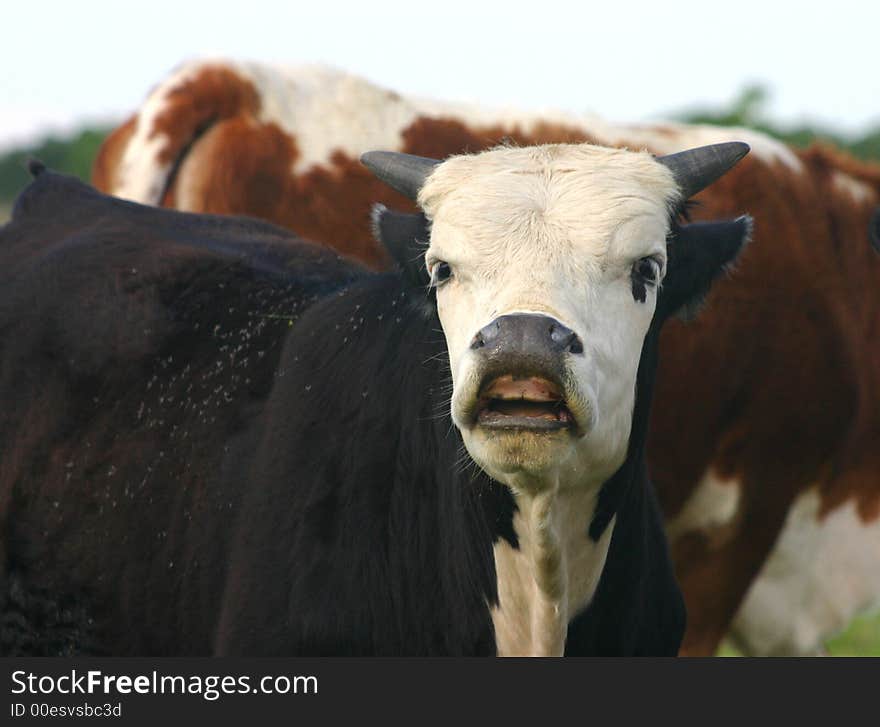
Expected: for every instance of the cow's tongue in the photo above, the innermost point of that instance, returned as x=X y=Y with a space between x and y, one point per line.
x=522 y=397
x=521 y=408
x=530 y=388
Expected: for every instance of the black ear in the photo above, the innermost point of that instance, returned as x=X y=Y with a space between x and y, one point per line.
x=697 y=255
x=35 y=167
x=405 y=236
x=874 y=230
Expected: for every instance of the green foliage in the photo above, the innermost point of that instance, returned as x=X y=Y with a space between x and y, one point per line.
x=861 y=638
x=71 y=155
x=748 y=109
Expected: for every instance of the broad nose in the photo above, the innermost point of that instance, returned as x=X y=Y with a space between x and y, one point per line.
x=527 y=334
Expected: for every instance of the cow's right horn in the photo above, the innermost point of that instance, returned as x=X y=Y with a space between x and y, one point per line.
x=695 y=169
x=404 y=173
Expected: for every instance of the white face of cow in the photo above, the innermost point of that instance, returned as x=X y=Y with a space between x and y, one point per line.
x=546 y=262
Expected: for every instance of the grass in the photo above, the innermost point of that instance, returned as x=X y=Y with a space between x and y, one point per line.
x=861 y=638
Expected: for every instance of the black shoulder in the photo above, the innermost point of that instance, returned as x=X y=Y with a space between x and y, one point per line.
x=51 y=193
x=101 y=279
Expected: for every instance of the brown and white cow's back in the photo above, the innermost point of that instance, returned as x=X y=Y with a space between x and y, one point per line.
x=284 y=143
x=772 y=490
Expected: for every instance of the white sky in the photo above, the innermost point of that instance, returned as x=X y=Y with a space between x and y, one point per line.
x=62 y=63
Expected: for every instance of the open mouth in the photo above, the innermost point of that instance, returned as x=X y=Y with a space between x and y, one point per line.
x=527 y=402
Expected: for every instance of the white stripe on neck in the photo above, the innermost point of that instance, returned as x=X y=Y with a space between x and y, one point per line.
x=553 y=574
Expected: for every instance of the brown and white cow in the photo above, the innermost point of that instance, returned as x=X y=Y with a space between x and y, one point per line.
x=772 y=490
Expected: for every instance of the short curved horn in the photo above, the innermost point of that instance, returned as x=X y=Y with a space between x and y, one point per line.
x=402 y=172
x=696 y=169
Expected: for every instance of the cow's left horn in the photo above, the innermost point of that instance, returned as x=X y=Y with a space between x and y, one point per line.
x=403 y=172
x=696 y=169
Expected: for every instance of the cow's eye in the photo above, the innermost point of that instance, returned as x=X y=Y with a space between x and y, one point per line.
x=440 y=273
x=647 y=269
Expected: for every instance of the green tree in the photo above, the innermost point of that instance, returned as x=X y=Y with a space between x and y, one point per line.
x=748 y=108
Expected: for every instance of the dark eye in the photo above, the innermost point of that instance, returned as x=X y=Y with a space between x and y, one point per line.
x=647 y=269
x=440 y=273
x=645 y=274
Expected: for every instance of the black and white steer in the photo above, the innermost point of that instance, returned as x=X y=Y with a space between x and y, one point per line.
x=223 y=440
x=552 y=275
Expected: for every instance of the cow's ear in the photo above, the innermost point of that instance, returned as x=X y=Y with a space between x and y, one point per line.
x=405 y=237
x=697 y=254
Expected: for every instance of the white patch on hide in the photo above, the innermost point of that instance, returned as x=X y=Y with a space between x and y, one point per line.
x=141 y=176
x=855 y=188
x=713 y=504
x=821 y=574
x=668 y=138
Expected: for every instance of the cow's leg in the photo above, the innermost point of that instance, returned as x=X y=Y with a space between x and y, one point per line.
x=717 y=565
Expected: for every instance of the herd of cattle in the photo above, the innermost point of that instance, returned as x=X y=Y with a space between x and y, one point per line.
x=424 y=404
